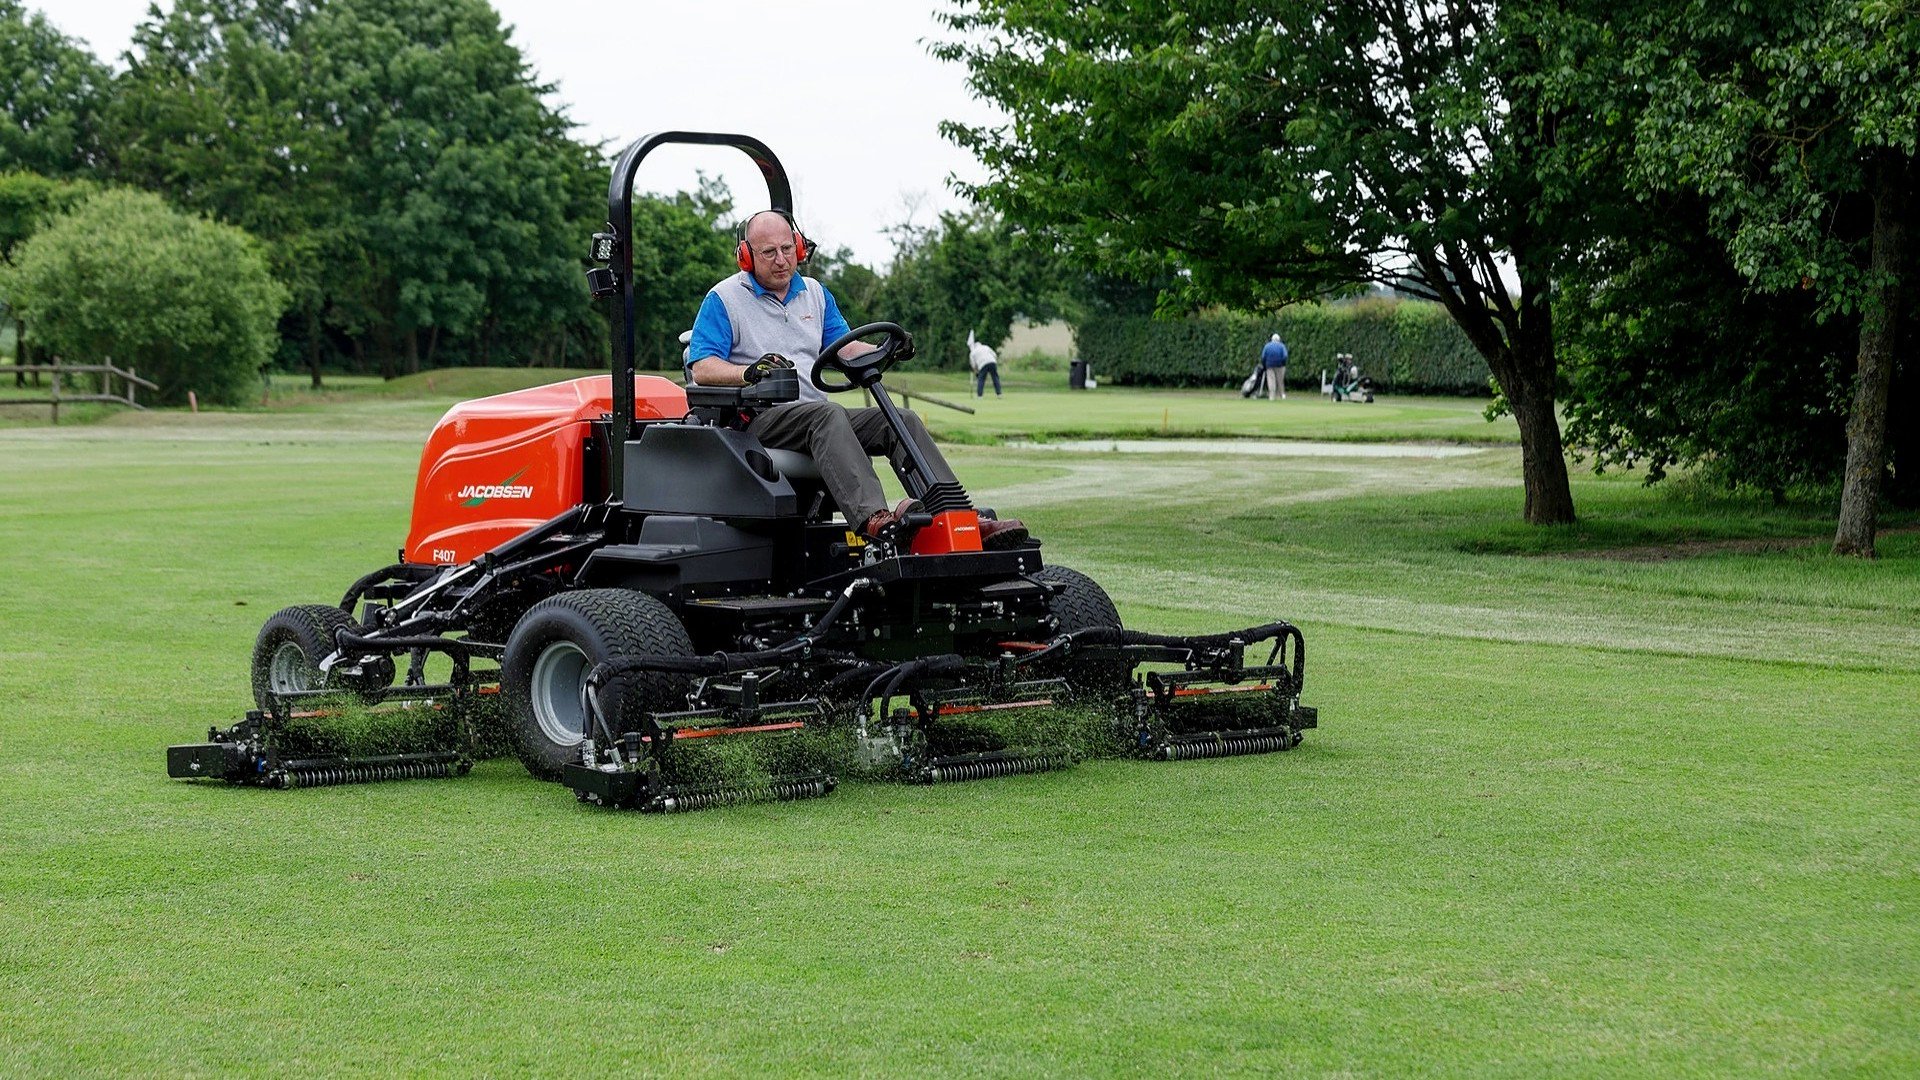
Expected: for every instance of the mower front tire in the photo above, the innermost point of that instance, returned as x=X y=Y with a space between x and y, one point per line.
x=1081 y=604
x=291 y=645
x=554 y=647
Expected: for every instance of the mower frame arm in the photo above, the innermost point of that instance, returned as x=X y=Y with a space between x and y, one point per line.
x=619 y=257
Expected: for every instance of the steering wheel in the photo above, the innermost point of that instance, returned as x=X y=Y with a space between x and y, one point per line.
x=865 y=369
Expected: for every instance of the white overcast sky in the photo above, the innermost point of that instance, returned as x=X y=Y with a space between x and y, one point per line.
x=844 y=92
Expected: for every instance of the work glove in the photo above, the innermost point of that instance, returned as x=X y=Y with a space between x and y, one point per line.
x=766 y=365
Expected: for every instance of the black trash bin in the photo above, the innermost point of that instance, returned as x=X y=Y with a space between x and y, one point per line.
x=1077 y=375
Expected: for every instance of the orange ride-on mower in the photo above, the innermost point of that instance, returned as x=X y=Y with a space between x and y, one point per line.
x=671 y=615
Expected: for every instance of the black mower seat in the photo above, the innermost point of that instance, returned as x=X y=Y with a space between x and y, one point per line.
x=794 y=465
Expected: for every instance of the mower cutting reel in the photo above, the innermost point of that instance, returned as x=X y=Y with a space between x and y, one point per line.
x=328 y=718
x=956 y=720
x=701 y=758
x=1216 y=705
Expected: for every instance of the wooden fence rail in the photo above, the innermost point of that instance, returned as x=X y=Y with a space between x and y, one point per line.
x=57 y=396
x=906 y=400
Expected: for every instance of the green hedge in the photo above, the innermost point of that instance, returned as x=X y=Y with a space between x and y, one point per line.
x=1405 y=347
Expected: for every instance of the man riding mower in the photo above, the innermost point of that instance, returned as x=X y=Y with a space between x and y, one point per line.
x=678 y=614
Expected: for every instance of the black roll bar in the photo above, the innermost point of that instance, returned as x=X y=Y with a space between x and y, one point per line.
x=620 y=226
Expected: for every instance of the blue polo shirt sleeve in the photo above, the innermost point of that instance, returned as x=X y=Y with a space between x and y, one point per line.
x=833 y=325
x=712 y=334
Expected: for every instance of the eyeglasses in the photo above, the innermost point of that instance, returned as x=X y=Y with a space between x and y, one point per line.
x=783 y=250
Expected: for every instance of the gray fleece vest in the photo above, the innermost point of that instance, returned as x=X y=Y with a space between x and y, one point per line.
x=762 y=324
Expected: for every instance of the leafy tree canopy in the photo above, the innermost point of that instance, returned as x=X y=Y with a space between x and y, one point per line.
x=1798 y=125
x=1672 y=359
x=1778 y=114
x=187 y=302
x=29 y=200
x=969 y=273
x=51 y=92
x=680 y=248
x=397 y=154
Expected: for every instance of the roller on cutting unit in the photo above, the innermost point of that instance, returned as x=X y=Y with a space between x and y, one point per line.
x=615 y=577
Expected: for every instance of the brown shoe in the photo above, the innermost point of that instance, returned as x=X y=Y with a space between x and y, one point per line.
x=1002 y=535
x=885 y=519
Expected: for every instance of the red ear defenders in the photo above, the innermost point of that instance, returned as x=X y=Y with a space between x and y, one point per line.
x=743 y=257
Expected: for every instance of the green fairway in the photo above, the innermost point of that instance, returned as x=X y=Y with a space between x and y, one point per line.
x=1630 y=797
x=1035 y=404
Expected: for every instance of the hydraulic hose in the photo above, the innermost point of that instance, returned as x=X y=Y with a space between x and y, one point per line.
x=399 y=571
x=925 y=667
x=1281 y=632
x=348 y=641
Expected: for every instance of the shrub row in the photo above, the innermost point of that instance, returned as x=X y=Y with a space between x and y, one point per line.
x=1405 y=347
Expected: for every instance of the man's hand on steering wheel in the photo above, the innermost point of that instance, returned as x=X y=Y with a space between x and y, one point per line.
x=763 y=367
x=861 y=368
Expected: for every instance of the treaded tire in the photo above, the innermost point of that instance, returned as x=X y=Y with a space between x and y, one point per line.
x=309 y=629
x=558 y=642
x=1082 y=604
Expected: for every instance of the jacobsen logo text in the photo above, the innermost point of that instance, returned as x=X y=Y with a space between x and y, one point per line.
x=475 y=494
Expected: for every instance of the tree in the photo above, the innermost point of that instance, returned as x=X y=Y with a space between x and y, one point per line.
x=1780 y=116
x=211 y=112
x=967 y=273
x=187 y=302
x=460 y=167
x=1261 y=153
x=680 y=248
x=1670 y=359
x=51 y=91
x=856 y=287
x=27 y=202
x=397 y=156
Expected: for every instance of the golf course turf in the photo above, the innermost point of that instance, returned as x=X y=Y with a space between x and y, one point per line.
x=1634 y=796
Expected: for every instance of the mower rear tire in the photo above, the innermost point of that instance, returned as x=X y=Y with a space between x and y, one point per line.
x=1078 y=606
x=287 y=654
x=554 y=647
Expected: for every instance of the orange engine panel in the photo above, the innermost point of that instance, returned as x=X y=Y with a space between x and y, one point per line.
x=496 y=467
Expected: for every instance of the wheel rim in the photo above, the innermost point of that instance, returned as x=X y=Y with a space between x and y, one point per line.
x=558 y=676
x=290 y=672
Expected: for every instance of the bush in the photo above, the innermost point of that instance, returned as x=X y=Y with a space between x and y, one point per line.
x=1403 y=346
x=186 y=302
x=1038 y=360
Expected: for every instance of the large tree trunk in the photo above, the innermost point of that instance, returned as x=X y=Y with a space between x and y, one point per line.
x=1873 y=377
x=1543 y=462
x=1523 y=363
x=1529 y=386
